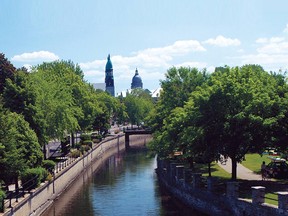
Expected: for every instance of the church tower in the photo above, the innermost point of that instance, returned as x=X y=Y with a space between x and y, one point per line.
x=136 y=81
x=109 y=79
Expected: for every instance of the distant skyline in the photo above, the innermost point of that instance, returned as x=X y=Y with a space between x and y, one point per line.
x=151 y=35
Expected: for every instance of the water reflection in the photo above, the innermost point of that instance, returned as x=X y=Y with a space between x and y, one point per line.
x=125 y=185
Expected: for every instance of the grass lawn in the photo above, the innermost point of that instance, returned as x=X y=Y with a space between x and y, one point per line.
x=254 y=161
x=271 y=198
x=216 y=171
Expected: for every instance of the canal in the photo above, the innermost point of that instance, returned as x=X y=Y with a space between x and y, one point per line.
x=126 y=184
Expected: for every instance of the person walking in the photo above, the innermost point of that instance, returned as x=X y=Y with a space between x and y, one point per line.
x=263 y=171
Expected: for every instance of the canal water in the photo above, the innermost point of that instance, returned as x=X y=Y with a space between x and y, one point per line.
x=124 y=185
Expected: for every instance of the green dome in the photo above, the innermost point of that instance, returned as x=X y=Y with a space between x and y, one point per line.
x=109 y=64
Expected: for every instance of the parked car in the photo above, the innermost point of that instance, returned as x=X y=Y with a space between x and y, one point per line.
x=277 y=168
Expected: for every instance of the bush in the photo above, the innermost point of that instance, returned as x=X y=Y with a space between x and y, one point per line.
x=96 y=138
x=31 y=178
x=49 y=177
x=78 y=145
x=75 y=153
x=84 y=148
x=49 y=165
x=88 y=142
x=2 y=197
x=84 y=137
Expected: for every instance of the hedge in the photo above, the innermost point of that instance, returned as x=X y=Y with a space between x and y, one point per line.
x=2 y=197
x=31 y=178
x=49 y=165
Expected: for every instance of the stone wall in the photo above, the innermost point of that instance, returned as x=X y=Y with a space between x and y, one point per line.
x=189 y=188
x=40 y=199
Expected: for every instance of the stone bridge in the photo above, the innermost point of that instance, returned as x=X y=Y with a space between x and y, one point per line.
x=131 y=131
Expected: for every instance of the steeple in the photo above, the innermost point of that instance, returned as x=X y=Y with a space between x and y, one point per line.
x=109 y=79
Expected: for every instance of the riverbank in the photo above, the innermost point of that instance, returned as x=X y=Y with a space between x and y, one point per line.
x=38 y=200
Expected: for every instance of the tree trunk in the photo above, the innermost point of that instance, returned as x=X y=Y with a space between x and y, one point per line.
x=72 y=140
x=44 y=151
x=16 y=185
x=191 y=162
x=209 y=169
x=234 y=169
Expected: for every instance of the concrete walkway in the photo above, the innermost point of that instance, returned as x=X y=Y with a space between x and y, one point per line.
x=242 y=172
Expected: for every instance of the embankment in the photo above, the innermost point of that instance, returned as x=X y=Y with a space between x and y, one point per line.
x=37 y=201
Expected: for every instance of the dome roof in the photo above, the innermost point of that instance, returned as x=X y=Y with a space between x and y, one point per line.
x=109 y=64
x=136 y=81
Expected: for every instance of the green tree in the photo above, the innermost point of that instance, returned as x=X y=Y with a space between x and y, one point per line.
x=167 y=118
x=234 y=111
x=19 y=97
x=19 y=147
x=138 y=105
x=56 y=110
x=7 y=71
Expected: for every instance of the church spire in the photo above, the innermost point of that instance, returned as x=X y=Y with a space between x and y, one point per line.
x=109 y=79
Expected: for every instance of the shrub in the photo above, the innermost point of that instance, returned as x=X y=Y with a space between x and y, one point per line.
x=88 y=142
x=31 y=178
x=49 y=165
x=84 y=137
x=96 y=138
x=84 y=148
x=75 y=153
x=78 y=145
x=49 y=177
x=2 y=197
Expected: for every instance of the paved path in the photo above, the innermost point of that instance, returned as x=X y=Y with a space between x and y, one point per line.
x=242 y=172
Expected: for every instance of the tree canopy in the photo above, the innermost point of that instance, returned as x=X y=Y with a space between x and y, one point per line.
x=233 y=111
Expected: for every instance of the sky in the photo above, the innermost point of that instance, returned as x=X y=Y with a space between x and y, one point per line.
x=150 y=35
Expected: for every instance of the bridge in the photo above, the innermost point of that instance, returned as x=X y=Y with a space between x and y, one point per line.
x=133 y=131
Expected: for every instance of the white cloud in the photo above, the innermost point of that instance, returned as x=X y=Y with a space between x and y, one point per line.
x=276 y=39
x=221 y=41
x=178 y=48
x=272 y=53
x=28 y=67
x=264 y=59
x=35 y=57
x=199 y=65
x=273 y=48
x=286 y=29
x=152 y=63
x=262 y=40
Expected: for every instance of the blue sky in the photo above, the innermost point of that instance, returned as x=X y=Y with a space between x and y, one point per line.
x=151 y=35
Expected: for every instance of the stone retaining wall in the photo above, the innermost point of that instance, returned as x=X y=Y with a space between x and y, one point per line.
x=188 y=187
x=40 y=199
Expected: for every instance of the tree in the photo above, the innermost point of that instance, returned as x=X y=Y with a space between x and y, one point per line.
x=234 y=110
x=167 y=118
x=19 y=147
x=138 y=105
x=7 y=71
x=19 y=97
x=56 y=112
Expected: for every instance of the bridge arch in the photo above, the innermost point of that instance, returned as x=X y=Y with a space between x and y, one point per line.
x=130 y=132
